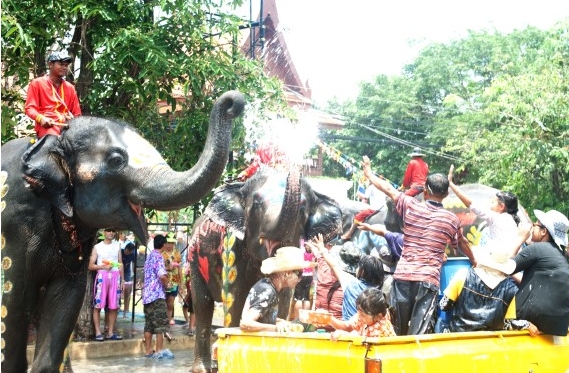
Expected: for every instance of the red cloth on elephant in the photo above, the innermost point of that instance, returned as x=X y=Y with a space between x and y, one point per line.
x=363 y=215
x=269 y=155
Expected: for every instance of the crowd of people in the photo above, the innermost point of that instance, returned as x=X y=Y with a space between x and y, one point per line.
x=165 y=278
x=515 y=282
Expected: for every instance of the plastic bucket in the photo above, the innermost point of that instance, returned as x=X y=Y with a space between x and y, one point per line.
x=450 y=267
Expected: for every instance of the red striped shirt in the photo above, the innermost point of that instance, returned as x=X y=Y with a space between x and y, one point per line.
x=428 y=231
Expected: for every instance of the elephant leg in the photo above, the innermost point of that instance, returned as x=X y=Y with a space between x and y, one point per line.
x=58 y=314
x=204 y=315
x=15 y=340
x=16 y=317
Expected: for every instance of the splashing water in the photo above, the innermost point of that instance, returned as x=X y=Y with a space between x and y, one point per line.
x=293 y=138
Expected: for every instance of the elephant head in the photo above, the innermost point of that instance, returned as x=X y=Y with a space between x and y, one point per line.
x=102 y=172
x=243 y=224
x=272 y=210
x=97 y=173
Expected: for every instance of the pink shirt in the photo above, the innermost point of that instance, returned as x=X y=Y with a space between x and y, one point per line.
x=309 y=257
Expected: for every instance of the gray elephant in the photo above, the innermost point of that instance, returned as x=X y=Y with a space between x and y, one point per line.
x=98 y=173
x=243 y=224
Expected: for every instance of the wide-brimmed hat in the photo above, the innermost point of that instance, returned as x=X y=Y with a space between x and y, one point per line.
x=61 y=56
x=416 y=152
x=492 y=264
x=288 y=258
x=556 y=224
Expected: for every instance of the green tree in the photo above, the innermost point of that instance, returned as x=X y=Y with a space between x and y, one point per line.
x=493 y=104
x=130 y=55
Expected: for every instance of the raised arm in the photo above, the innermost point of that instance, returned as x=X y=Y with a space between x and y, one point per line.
x=463 y=197
x=318 y=248
x=380 y=184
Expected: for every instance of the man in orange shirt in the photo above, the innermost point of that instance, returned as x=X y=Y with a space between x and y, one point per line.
x=51 y=100
x=415 y=174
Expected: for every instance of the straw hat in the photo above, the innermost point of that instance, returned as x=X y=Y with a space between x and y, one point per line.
x=493 y=265
x=556 y=224
x=416 y=152
x=288 y=258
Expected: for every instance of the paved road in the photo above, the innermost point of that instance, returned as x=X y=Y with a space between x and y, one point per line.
x=181 y=363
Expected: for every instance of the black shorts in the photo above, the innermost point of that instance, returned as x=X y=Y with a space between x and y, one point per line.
x=188 y=304
x=156 y=317
x=302 y=290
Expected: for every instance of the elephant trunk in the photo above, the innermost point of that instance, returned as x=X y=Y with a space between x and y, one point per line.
x=290 y=207
x=173 y=190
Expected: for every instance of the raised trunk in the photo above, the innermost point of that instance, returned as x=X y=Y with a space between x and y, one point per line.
x=172 y=190
x=290 y=207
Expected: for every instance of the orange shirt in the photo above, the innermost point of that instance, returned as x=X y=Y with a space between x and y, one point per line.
x=381 y=328
x=44 y=100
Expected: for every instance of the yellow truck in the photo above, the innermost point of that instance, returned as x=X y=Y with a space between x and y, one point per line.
x=500 y=352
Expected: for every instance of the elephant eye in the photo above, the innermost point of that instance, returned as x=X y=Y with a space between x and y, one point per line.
x=116 y=160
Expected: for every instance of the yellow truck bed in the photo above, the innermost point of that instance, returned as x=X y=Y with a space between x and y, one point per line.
x=504 y=352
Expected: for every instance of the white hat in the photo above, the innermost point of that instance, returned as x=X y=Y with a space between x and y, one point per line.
x=492 y=265
x=556 y=224
x=416 y=152
x=288 y=258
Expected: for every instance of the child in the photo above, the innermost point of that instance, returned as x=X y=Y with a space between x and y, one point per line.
x=371 y=320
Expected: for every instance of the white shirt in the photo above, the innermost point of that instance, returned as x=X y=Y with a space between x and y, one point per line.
x=375 y=197
x=108 y=252
x=501 y=230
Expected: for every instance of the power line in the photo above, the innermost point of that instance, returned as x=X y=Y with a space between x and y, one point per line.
x=410 y=144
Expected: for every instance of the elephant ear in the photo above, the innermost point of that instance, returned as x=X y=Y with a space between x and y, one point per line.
x=325 y=217
x=225 y=209
x=45 y=175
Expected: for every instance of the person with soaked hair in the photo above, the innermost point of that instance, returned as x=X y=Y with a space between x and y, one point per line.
x=429 y=228
x=369 y=273
x=501 y=216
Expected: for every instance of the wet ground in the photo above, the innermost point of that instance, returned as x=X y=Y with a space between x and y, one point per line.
x=181 y=363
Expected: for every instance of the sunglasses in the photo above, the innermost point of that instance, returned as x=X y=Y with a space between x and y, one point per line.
x=110 y=230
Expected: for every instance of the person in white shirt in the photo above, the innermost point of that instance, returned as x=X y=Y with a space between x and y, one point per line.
x=106 y=259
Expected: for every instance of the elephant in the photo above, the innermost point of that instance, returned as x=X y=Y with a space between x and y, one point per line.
x=242 y=225
x=58 y=192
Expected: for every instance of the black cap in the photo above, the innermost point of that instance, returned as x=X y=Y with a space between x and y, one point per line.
x=61 y=56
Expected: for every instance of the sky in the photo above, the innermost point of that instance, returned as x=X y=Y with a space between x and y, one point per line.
x=336 y=44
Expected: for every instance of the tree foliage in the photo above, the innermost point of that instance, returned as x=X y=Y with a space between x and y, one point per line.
x=129 y=56
x=132 y=54
x=495 y=105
